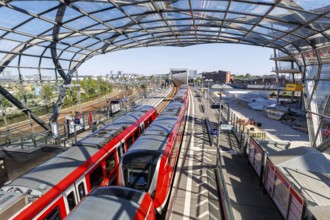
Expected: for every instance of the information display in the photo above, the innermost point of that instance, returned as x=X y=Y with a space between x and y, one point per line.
x=75 y=123
x=114 y=107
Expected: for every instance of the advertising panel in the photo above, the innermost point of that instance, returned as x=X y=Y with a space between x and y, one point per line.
x=255 y=155
x=114 y=107
x=75 y=123
x=281 y=193
x=294 y=87
x=296 y=206
x=269 y=185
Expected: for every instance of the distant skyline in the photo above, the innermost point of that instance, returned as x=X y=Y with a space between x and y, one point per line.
x=238 y=59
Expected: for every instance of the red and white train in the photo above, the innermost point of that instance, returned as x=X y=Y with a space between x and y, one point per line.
x=150 y=163
x=54 y=188
x=112 y=202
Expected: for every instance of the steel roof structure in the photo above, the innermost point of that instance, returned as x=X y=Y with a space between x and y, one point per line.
x=54 y=37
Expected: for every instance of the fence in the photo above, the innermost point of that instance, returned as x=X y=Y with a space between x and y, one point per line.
x=19 y=137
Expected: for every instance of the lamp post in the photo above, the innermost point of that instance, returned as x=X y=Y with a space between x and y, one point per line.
x=221 y=88
x=208 y=94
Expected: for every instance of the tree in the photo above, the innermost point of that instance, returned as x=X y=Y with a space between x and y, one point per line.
x=48 y=92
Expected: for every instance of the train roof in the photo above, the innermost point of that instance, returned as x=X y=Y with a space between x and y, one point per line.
x=172 y=109
x=45 y=176
x=183 y=86
x=155 y=137
x=109 y=203
x=105 y=134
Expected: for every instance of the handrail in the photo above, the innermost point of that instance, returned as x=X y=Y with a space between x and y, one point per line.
x=207 y=121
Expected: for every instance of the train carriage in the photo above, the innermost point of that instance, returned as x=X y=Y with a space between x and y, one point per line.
x=150 y=163
x=56 y=186
x=114 y=203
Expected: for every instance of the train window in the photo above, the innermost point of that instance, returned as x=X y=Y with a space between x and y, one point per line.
x=150 y=120
x=96 y=177
x=129 y=141
x=71 y=200
x=110 y=163
x=138 y=179
x=54 y=214
x=142 y=129
x=146 y=123
x=119 y=153
x=122 y=148
x=81 y=190
x=136 y=134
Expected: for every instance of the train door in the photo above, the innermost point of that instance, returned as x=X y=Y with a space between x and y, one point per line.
x=81 y=188
x=70 y=198
x=110 y=166
x=120 y=149
x=141 y=128
x=136 y=134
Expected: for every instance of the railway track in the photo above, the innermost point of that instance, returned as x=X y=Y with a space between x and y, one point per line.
x=170 y=96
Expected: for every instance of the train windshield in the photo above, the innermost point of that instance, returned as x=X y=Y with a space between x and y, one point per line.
x=139 y=170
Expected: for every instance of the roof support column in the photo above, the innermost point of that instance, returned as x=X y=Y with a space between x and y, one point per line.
x=66 y=77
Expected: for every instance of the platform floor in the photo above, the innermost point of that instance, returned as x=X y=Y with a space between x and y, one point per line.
x=247 y=198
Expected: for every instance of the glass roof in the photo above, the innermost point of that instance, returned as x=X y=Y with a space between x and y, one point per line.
x=81 y=29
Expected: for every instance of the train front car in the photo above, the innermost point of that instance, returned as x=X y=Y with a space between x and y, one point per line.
x=150 y=163
x=114 y=203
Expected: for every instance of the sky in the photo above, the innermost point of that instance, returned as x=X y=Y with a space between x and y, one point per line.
x=238 y=59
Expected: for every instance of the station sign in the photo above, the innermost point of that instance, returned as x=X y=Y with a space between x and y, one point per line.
x=214 y=131
x=226 y=127
x=294 y=87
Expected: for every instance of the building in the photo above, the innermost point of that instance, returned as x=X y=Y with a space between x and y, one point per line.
x=217 y=76
x=192 y=74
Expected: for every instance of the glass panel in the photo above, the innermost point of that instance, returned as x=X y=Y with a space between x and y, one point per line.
x=180 y=22
x=93 y=6
x=315 y=6
x=7 y=45
x=36 y=7
x=30 y=27
x=96 y=46
x=248 y=8
x=281 y=26
x=70 y=14
x=180 y=5
x=109 y=14
x=209 y=5
x=27 y=61
x=87 y=42
x=17 y=37
x=325 y=129
x=81 y=23
x=10 y=18
x=291 y=15
x=50 y=15
x=73 y=40
x=136 y=9
x=120 y=22
x=154 y=24
x=242 y=18
x=175 y=15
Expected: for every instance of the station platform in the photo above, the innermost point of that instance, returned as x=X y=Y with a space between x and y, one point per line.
x=195 y=193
